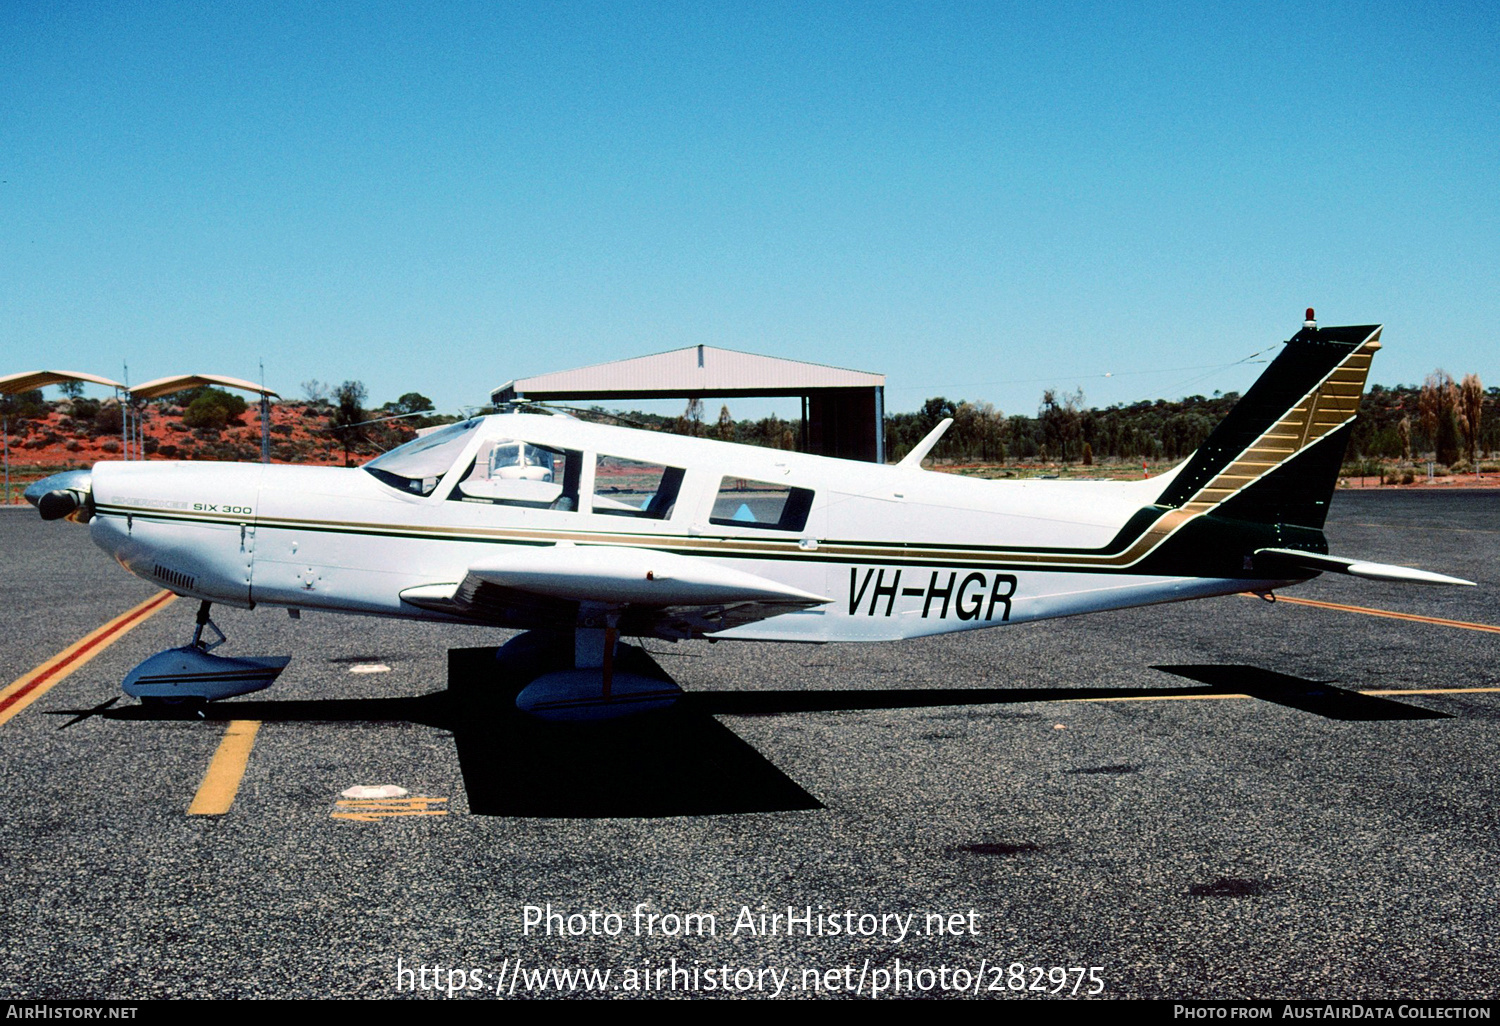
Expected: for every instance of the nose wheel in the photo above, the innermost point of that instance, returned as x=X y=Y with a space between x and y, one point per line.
x=185 y=679
x=180 y=706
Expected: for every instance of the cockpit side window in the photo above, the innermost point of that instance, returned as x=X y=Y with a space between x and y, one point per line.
x=741 y=502
x=512 y=472
x=630 y=488
x=420 y=464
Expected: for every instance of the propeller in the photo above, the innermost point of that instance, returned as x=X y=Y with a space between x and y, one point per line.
x=69 y=495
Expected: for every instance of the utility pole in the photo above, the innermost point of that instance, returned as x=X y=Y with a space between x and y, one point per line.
x=125 y=411
x=265 y=417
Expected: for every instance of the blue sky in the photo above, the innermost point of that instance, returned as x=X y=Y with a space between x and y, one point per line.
x=978 y=200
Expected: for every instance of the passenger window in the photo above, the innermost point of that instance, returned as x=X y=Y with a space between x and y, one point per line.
x=509 y=472
x=628 y=488
x=775 y=507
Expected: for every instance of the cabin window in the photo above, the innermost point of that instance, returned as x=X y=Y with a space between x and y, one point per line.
x=511 y=472
x=742 y=502
x=420 y=464
x=629 y=488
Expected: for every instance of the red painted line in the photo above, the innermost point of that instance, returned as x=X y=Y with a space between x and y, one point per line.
x=76 y=654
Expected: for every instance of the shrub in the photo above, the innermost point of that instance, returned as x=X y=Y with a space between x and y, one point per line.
x=206 y=413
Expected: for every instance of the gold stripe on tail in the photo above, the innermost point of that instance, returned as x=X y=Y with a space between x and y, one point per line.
x=1328 y=407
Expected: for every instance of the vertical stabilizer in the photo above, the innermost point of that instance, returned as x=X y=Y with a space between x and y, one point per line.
x=1276 y=457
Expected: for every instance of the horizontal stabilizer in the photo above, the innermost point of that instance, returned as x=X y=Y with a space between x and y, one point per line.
x=1271 y=559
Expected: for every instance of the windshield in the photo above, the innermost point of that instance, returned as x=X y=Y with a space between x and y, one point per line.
x=514 y=456
x=420 y=464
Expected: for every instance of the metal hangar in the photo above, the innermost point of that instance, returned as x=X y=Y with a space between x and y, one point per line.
x=843 y=411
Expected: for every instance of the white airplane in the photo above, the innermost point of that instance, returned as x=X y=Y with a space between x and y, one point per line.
x=573 y=530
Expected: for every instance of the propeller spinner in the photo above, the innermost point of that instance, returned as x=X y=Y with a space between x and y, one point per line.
x=69 y=495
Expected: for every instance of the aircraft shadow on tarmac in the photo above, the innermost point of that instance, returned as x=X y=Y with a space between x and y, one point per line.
x=1314 y=696
x=682 y=761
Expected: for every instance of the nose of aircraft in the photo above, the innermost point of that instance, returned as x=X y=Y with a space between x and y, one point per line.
x=67 y=495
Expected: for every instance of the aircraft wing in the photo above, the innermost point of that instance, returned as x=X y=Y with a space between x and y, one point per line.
x=566 y=586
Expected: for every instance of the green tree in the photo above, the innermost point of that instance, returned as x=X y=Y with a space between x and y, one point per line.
x=691 y=421
x=413 y=402
x=349 y=412
x=206 y=414
x=199 y=403
x=1471 y=414
x=24 y=405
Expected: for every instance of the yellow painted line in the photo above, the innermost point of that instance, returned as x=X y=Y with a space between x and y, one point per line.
x=1426 y=527
x=370 y=809
x=33 y=685
x=222 y=781
x=1203 y=698
x=1432 y=691
x=1438 y=621
x=1155 y=698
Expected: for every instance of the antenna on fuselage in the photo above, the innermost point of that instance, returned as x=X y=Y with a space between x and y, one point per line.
x=913 y=460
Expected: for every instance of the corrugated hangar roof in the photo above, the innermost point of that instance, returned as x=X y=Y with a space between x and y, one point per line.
x=696 y=370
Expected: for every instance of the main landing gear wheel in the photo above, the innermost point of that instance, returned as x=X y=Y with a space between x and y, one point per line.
x=588 y=676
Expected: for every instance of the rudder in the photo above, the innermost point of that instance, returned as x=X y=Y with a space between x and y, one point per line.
x=1275 y=458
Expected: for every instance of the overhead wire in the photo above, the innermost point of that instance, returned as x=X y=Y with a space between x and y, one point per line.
x=1210 y=369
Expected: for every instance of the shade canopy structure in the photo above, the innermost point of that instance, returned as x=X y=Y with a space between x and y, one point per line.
x=182 y=382
x=843 y=411
x=25 y=381
x=131 y=430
